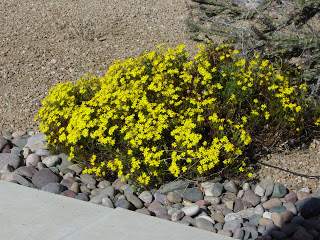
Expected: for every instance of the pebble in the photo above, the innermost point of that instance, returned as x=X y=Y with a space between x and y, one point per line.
x=51 y=161
x=191 y=210
x=177 y=215
x=265 y=210
x=231 y=187
x=204 y=224
x=11 y=159
x=216 y=190
x=250 y=197
x=146 y=197
x=53 y=187
x=174 y=197
x=232 y=225
x=134 y=200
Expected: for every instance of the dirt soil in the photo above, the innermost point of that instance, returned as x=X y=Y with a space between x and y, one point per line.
x=43 y=43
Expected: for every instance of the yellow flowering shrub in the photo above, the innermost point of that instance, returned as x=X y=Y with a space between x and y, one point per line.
x=161 y=115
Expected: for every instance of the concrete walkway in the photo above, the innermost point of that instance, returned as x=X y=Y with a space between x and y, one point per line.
x=27 y=213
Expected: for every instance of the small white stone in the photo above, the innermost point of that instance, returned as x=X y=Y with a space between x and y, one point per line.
x=191 y=210
x=240 y=193
x=259 y=191
x=306 y=190
x=146 y=196
x=267 y=215
x=258 y=210
x=51 y=161
x=245 y=187
x=107 y=202
x=207 y=218
x=233 y=216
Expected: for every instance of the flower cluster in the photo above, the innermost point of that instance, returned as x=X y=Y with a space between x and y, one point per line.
x=161 y=116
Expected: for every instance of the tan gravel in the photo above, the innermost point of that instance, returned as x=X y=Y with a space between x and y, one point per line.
x=301 y=161
x=43 y=43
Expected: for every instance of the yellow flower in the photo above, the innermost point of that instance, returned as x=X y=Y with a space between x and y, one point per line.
x=250 y=175
x=298 y=108
x=241 y=62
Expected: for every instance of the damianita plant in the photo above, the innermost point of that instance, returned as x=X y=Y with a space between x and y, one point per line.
x=161 y=116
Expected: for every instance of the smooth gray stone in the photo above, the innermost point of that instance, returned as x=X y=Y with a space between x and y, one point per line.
x=177 y=215
x=20 y=143
x=253 y=232
x=290 y=207
x=204 y=224
x=103 y=184
x=65 y=163
x=238 y=234
x=98 y=199
x=174 y=197
x=232 y=225
x=21 y=180
x=259 y=210
x=109 y=191
x=42 y=152
x=35 y=139
x=218 y=226
x=17 y=151
x=251 y=198
x=107 y=203
x=75 y=168
x=3 y=142
x=261 y=229
x=146 y=197
x=217 y=189
x=88 y=179
x=254 y=219
x=134 y=200
x=123 y=203
x=43 y=177
x=233 y=216
x=259 y=191
x=172 y=210
x=278 y=209
x=212 y=200
x=191 y=210
x=191 y=194
x=231 y=187
x=160 y=198
x=246 y=213
x=54 y=187
x=268 y=185
x=279 y=191
x=27 y=171
x=128 y=190
x=51 y=161
x=172 y=186
x=144 y=211
x=11 y=159
x=82 y=197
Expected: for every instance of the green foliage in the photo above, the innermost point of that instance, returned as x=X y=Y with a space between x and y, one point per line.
x=161 y=116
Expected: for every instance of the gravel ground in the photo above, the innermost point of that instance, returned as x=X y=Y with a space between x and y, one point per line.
x=47 y=42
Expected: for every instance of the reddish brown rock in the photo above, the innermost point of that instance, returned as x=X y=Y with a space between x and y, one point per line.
x=69 y=193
